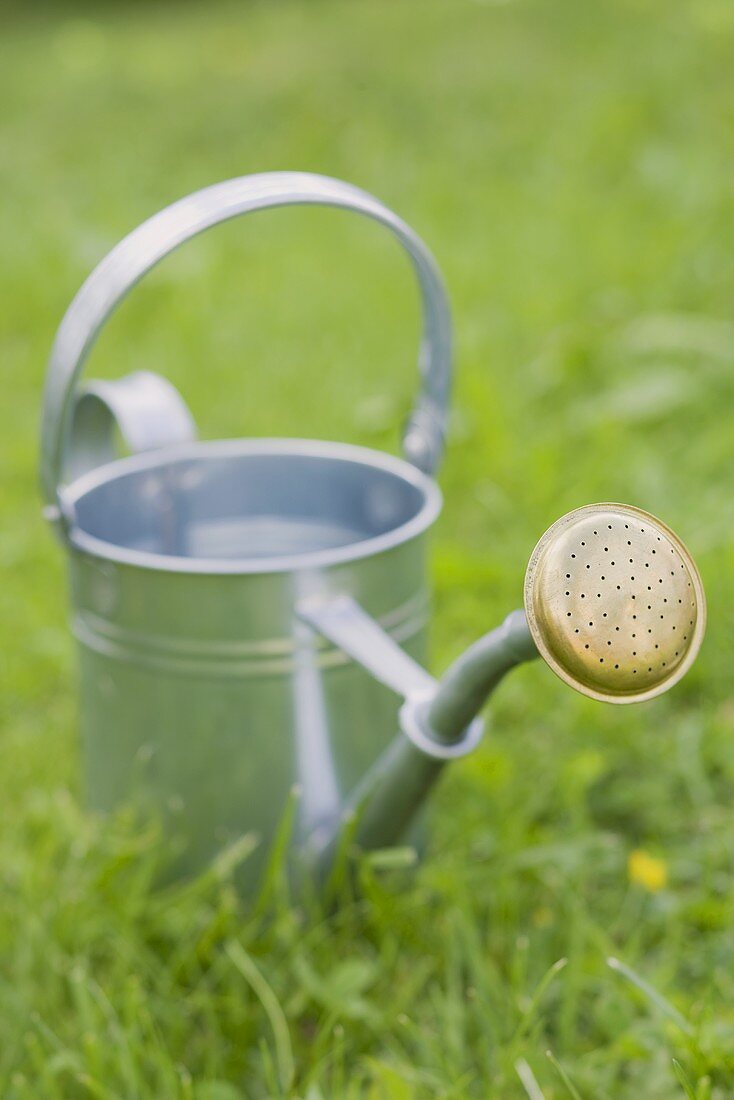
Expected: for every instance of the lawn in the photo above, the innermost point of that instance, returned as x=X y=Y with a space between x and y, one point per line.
x=571 y=165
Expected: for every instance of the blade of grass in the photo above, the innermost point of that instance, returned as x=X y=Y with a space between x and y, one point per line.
x=543 y=984
x=573 y=1091
x=275 y=884
x=528 y=1080
x=650 y=994
x=683 y=1078
x=281 y=1035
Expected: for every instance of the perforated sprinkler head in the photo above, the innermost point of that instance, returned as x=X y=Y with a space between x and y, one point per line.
x=615 y=603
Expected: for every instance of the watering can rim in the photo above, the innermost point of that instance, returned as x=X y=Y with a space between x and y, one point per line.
x=426 y=515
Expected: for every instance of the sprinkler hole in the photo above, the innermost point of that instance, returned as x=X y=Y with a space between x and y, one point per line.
x=616 y=666
x=586 y=646
x=568 y=613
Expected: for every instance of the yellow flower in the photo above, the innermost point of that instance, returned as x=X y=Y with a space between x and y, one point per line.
x=647 y=871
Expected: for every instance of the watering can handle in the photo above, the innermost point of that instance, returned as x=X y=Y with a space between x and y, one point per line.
x=120 y=270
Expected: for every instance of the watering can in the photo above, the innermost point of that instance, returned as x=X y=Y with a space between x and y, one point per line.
x=251 y=614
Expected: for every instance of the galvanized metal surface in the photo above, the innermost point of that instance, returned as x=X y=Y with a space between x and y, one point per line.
x=615 y=603
x=143 y=409
x=206 y=695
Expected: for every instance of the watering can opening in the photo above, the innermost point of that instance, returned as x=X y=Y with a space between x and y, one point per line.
x=250 y=506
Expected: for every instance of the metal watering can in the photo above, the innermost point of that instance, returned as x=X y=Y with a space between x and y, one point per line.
x=251 y=614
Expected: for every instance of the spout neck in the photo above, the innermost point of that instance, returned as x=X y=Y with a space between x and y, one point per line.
x=468 y=683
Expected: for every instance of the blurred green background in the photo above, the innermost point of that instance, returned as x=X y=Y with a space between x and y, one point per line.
x=571 y=166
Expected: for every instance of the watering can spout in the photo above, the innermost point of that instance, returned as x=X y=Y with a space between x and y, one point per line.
x=614 y=605
x=438 y=721
x=465 y=687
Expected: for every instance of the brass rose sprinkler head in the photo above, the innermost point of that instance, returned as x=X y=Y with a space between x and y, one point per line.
x=614 y=603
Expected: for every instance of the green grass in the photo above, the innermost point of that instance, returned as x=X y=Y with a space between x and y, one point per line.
x=571 y=166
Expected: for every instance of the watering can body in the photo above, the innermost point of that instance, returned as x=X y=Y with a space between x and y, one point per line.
x=207 y=695
x=204 y=696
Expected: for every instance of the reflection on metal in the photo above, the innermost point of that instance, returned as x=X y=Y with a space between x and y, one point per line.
x=343 y=621
x=143 y=409
x=315 y=767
